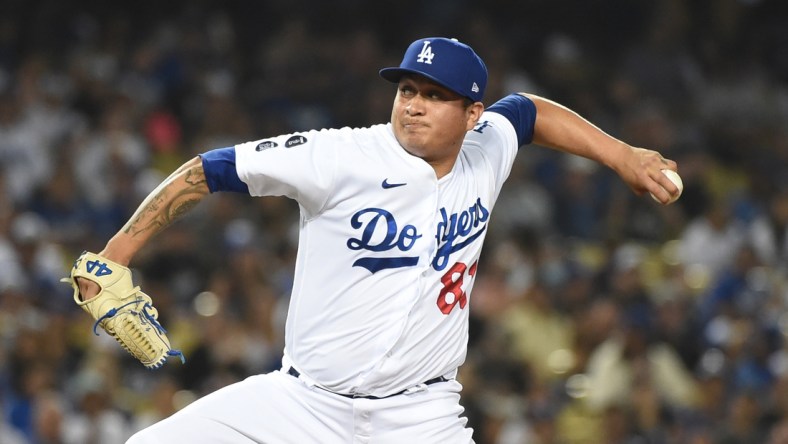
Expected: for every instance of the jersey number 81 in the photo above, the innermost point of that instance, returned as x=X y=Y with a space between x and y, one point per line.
x=452 y=293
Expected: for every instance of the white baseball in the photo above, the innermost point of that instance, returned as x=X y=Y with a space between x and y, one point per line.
x=676 y=179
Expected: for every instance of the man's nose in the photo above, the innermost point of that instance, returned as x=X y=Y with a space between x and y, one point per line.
x=415 y=105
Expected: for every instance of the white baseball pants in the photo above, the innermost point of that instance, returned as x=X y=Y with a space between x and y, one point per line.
x=277 y=408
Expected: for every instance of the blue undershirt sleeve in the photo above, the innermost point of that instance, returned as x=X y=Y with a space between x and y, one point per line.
x=220 y=172
x=519 y=110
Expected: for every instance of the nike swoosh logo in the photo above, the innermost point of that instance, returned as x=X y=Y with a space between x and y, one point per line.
x=386 y=185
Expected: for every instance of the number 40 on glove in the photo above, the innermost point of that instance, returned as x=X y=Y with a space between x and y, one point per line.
x=122 y=310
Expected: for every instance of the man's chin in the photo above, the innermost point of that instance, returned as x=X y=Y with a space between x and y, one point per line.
x=411 y=144
x=414 y=149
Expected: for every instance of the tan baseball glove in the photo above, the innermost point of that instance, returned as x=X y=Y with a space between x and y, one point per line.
x=122 y=310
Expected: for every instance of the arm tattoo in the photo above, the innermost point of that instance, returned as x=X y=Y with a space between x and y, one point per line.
x=194 y=177
x=174 y=198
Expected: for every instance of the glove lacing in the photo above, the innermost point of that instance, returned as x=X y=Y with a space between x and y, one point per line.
x=149 y=317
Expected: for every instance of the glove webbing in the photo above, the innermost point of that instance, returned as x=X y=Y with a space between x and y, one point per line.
x=112 y=312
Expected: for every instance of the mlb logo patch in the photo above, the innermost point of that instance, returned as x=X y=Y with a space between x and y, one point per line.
x=295 y=141
x=266 y=145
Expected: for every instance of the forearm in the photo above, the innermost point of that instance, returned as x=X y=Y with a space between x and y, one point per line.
x=560 y=128
x=173 y=198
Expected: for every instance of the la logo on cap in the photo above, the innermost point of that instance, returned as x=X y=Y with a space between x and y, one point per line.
x=426 y=54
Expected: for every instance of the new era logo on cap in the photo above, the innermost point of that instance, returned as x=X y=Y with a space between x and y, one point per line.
x=445 y=61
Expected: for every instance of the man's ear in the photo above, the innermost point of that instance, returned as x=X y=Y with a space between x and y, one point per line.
x=475 y=111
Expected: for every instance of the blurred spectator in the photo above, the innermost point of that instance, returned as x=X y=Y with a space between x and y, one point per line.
x=41 y=262
x=769 y=232
x=541 y=336
x=50 y=419
x=779 y=434
x=711 y=240
x=9 y=434
x=110 y=156
x=630 y=358
x=95 y=419
x=160 y=401
x=65 y=209
x=579 y=205
x=25 y=164
x=741 y=422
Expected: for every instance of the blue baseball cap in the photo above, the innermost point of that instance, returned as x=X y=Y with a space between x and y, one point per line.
x=447 y=62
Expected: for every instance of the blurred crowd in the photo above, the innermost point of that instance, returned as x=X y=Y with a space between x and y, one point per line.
x=598 y=316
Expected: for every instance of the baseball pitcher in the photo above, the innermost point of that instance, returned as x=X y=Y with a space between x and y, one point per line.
x=392 y=222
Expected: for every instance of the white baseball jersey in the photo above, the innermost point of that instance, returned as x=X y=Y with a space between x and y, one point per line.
x=387 y=252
